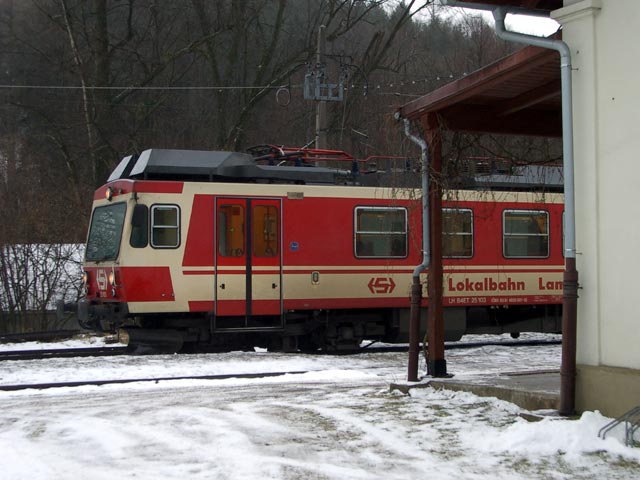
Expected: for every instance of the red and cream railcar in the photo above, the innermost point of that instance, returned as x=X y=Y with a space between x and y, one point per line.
x=213 y=248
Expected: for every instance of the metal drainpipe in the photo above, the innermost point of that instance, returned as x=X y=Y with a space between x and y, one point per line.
x=570 y=292
x=416 y=288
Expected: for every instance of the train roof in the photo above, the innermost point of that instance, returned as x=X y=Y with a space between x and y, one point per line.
x=524 y=177
x=219 y=166
x=303 y=166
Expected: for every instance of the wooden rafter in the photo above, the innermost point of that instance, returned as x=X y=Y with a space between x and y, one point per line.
x=529 y=98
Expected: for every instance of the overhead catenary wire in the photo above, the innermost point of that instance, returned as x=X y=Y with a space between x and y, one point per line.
x=367 y=87
x=132 y=87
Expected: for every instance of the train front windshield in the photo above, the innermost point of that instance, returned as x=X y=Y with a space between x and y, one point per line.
x=105 y=232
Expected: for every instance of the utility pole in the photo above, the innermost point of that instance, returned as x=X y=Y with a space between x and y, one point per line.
x=318 y=89
x=321 y=108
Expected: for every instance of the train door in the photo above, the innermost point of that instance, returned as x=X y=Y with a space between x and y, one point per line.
x=248 y=263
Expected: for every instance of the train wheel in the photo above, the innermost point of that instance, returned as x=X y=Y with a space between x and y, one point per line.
x=308 y=343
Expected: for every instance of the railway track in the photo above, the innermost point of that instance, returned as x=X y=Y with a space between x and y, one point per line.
x=38 y=336
x=63 y=353
x=82 y=383
x=449 y=346
x=111 y=351
x=371 y=348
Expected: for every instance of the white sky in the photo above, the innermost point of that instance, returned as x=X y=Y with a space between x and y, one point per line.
x=531 y=25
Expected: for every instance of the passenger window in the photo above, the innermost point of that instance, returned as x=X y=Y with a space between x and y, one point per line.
x=231 y=230
x=380 y=232
x=265 y=231
x=457 y=233
x=165 y=226
x=525 y=233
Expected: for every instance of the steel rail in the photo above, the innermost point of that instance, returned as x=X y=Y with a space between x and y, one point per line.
x=448 y=346
x=63 y=353
x=16 y=355
x=82 y=383
x=38 y=336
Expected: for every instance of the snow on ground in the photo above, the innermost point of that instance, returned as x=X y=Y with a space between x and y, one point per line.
x=337 y=421
x=81 y=341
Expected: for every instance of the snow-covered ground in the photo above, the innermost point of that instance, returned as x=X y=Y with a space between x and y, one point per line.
x=337 y=421
x=81 y=341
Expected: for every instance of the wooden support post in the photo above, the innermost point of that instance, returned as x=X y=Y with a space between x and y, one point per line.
x=436 y=363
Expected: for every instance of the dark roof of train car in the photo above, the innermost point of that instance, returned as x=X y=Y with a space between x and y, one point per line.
x=220 y=166
x=525 y=177
x=198 y=165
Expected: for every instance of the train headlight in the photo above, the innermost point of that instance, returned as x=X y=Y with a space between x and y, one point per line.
x=108 y=194
x=112 y=278
x=85 y=281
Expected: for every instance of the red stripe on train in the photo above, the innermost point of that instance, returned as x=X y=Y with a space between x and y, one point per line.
x=146 y=284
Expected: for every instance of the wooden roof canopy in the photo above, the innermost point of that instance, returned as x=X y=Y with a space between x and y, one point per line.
x=518 y=95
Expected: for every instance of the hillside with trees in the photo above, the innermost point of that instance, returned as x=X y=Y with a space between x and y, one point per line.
x=85 y=83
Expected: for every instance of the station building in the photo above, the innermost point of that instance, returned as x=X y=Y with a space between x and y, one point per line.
x=521 y=95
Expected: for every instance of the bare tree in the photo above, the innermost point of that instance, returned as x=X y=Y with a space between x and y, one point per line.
x=32 y=278
x=113 y=77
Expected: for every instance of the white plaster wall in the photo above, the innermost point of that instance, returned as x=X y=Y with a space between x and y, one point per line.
x=580 y=27
x=604 y=37
x=618 y=104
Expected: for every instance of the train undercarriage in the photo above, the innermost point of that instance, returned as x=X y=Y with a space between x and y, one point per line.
x=325 y=330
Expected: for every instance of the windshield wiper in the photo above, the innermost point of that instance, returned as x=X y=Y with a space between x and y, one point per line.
x=102 y=258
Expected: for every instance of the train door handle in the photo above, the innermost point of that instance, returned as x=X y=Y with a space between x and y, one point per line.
x=222 y=286
x=274 y=286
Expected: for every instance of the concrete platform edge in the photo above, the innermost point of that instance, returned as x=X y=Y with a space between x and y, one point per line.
x=527 y=400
